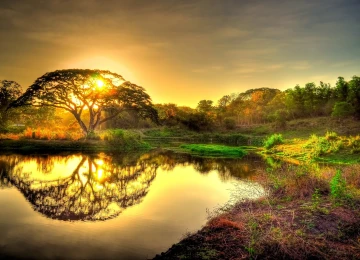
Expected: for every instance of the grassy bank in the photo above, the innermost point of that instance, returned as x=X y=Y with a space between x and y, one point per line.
x=178 y=134
x=310 y=213
x=214 y=150
x=111 y=140
x=330 y=148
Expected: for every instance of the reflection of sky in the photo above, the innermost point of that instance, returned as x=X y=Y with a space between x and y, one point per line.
x=175 y=204
x=61 y=168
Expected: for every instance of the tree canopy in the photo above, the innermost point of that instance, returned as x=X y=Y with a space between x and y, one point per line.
x=9 y=92
x=101 y=94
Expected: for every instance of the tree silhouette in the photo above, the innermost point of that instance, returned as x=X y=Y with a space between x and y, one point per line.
x=102 y=94
x=9 y=92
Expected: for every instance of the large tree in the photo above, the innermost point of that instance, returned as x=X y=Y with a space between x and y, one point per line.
x=9 y=92
x=100 y=94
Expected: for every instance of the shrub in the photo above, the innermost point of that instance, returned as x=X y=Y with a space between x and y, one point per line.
x=331 y=136
x=229 y=123
x=323 y=145
x=273 y=140
x=125 y=140
x=338 y=186
x=342 y=109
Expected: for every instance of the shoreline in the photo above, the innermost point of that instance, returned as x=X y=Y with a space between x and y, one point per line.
x=30 y=145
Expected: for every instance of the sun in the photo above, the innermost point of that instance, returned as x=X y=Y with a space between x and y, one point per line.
x=100 y=83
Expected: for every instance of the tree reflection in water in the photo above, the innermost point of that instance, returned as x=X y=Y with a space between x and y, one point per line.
x=100 y=187
x=97 y=189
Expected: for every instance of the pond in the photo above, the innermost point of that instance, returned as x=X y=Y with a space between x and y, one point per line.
x=112 y=206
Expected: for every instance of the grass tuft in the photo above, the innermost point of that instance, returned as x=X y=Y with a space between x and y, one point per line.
x=273 y=140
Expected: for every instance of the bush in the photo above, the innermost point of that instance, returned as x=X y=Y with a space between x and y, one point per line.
x=273 y=140
x=125 y=140
x=229 y=123
x=323 y=145
x=342 y=109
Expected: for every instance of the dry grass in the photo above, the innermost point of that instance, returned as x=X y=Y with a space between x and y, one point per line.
x=51 y=134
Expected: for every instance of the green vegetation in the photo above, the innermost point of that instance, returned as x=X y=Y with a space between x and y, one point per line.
x=338 y=187
x=111 y=140
x=273 y=140
x=125 y=140
x=104 y=91
x=328 y=148
x=214 y=150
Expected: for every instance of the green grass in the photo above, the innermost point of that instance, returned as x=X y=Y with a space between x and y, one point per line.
x=125 y=140
x=273 y=140
x=214 y=150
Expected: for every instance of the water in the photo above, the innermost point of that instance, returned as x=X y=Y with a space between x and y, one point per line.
x=103 y=206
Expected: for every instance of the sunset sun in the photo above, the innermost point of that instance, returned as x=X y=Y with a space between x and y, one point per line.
x=100 y=83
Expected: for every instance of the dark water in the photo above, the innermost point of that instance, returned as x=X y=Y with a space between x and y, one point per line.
x=103 y=206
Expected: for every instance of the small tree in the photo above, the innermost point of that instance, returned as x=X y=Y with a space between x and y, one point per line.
x=9 y=92
x=103 y=95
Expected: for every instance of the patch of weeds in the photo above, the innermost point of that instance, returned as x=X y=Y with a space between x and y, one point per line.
x=316 y=199
x=254 y=233
x=338 y=190
x=273 y=140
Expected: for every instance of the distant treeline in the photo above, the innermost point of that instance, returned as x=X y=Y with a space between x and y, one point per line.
x=254 y=106
x=265 y=105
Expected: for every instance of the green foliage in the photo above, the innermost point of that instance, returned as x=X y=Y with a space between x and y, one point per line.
x=338 y=186
x=319 y=146
x=205 y=106
x=342 y=109
x=331 y=135
x=199 y=121
x=78 y=90
x=231 y=139
x=229 y=123
x=273 y=140
x=9 y=92
x=125 y=140
x=214 y=150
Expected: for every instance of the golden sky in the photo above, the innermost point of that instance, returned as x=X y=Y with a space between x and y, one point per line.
x=184 y=51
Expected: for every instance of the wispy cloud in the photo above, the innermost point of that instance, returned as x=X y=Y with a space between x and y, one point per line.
x=300 y=65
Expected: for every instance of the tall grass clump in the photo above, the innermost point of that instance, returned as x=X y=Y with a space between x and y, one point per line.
x=319 y=145
x=125 y=140
x=214 y=150
x=273 y=140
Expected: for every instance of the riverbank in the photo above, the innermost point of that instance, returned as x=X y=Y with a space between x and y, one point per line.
x=29 y=145
x=310 y=213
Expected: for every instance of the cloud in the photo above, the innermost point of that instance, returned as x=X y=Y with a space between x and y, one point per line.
x=300 y=65
x=209 y=69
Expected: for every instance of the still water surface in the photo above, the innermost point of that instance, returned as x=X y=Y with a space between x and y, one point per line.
x=81 y=206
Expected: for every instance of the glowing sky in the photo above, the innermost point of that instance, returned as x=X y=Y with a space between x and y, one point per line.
x=184 y=51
